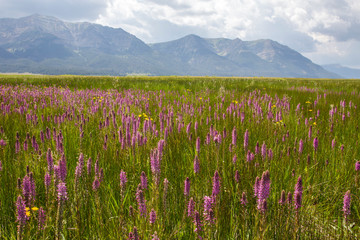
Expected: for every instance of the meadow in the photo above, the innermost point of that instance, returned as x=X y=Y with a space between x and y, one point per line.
x=179 y=158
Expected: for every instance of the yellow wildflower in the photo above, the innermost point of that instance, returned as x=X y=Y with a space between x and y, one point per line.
x=314 y=123
x=307 y=102
x=310 y=110
x=34 y=208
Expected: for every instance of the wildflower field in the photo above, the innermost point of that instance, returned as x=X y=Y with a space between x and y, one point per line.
x=179 y=158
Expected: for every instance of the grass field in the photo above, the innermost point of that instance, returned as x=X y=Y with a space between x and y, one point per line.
x=179 y=158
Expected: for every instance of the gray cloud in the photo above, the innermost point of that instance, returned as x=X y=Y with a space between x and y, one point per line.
x=71 y=10
x=170 y=3
x=325 y=31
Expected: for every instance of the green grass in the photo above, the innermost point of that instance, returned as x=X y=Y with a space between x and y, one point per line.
x=83 y=103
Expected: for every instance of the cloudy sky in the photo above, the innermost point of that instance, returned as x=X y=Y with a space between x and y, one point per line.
x=326 y=31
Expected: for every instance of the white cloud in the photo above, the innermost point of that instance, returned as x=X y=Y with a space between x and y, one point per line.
x=311 y=26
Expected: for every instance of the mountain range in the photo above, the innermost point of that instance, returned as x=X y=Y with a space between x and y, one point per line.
x=47 y=45
x=342 y=71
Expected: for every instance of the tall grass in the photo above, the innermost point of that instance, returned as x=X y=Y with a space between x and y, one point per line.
x=95 y=128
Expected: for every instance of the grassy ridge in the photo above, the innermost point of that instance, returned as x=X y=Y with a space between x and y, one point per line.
x=108 y=118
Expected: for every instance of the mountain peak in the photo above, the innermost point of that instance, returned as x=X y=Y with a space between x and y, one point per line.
x=35 y=18
x=191 y=36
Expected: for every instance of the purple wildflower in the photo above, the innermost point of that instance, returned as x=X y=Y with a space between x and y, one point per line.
x=188 y=128
x=62 y=192
x=248 y=156
x=246 y=139
x=88 y=166
x=263 y=150
x=21 y=212
x=17 y=146
x=152 y=217
x=270 y=153
x=41 y=218
x=237 y=176
x=2 y=143
x=297 y=200
x=234 y=136
x=123 y=180
x=210 y=218
x=316 y=143
x=47 y=181
x=141 y=202
x=143 y=180
x=333 y=143
x=257 y=148
x=198 y=145
x=208 y=201
x=155 y=164
x=216 y=184
x=28 y=189
x=197 y=223
x=357 y=166
x=263 y=206
x=187 y=187
x=298 y=193
x=264 y=189
x=234 y=159
x=96 y=167
x=62 y=171
x=96 y=184
x=301 y=146
x=191 y=208
x=79 y=166
x=196 y=164
x=346 y=205
x=298 y=186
